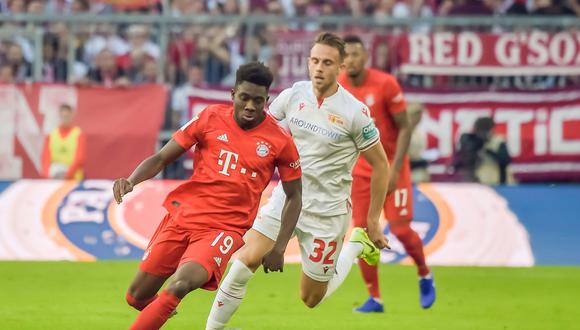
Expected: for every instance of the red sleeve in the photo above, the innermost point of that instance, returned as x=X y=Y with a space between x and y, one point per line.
x=394 y=96
x=45 y=158
x=288 y=162
x=80 y=156
x=191 y=133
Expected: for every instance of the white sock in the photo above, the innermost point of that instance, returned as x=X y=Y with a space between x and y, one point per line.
x=229 y=296
x=345 y=261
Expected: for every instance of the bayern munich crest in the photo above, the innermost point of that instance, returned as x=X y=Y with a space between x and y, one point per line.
x=263 y=149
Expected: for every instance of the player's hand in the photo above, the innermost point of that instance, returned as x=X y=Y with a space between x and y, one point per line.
x=378 y=237
x=121 y=187
x=393 y=179
x=273 y=261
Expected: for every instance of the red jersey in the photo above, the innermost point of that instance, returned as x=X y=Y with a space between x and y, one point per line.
x=382 y=94
x=232 y=167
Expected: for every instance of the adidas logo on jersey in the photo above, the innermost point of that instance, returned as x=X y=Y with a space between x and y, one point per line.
x=218 y=260
x=223 y=137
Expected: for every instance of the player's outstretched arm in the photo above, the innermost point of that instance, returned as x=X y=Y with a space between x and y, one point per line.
x=274 y=260
x=148 y=168
x=377 y=158
x=403 y=140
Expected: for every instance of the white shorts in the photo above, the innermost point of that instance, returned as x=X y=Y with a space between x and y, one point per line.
x=320 y=240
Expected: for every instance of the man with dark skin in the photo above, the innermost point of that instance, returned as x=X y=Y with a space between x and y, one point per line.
x=384 y=97
x=237 y=150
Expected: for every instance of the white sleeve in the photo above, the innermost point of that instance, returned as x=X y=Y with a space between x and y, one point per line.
x=364 y=132
x=279 y=106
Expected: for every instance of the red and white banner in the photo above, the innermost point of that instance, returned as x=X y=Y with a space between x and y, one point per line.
x=487 y=54
x=121 y=126
x=542 y=129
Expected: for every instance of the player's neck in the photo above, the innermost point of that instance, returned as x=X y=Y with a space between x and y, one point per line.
x=322 y=93
x=358 y=79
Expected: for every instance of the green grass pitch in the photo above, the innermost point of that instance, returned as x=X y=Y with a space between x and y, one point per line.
x=66 y=295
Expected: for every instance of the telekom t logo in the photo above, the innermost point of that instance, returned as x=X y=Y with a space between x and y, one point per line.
x=229 y=160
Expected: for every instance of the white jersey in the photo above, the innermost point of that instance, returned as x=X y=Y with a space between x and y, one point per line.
x=329 y=137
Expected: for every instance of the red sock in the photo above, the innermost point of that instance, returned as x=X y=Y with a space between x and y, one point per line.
x=157 y=313
x=371 y=276
x=139 y=304
x=412 y=243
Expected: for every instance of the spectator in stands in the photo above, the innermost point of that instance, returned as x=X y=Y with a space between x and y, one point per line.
x=555 y=8
x=6 y=74
x=482 y=156
x=106 y=72
x=63 y=155
x=21 y=68
x=17 y=6
x=517 y=7
x=139 y=43
x=54 y=68
x=181 y=50
x=147 y=73
x=187 y=7
x=180 y=97
x=35 y=7
x=472 y=8
x=105 y=37
x=80 y=6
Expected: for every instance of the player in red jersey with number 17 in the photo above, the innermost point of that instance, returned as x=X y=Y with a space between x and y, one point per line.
x=382 y=94
x=236 y=152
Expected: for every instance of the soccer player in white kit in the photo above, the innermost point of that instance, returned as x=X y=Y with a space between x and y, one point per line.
x=330 y=128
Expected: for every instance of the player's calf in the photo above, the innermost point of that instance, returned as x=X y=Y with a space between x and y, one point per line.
x=312 y=292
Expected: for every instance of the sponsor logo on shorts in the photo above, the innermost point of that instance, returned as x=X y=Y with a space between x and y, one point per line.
x=218 y=261
x=325 y=268
x=220 y=303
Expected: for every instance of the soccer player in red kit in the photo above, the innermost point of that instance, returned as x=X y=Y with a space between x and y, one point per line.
x=382 y=94
x=237 y=149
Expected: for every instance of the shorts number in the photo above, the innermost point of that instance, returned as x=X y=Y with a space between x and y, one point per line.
x=401 y=197
x=227 y=243
x=318 y=252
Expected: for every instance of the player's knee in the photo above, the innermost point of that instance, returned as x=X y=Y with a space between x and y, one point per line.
x=181 y=287
x=251 y=258
x=134 y=294
x=400 y=229
x=311 y=300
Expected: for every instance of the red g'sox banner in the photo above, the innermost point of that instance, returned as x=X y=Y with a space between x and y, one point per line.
x=121 y=126
x=488 y=54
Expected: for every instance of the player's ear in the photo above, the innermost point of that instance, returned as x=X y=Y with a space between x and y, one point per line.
x=233 y=93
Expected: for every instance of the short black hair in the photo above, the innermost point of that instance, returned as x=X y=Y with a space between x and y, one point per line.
x=255 y=73
x=353 y=39
x=483 y=124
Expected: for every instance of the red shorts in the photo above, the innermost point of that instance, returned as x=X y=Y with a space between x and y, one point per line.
x=398 y=204
x=173 y=245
